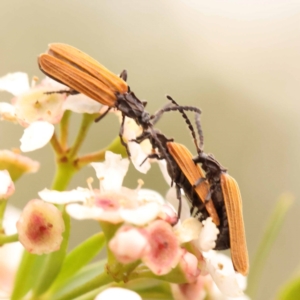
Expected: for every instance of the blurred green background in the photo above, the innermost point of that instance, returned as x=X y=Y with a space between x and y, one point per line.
x=236 y=60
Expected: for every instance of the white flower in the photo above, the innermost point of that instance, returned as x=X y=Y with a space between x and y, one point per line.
x=221 y=270
x=37 y=104
x=36 y=136
x=111 y=173
x=112 y=202
x=118 y=293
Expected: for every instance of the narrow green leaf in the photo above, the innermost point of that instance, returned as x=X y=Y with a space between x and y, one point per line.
x=83 y=283
x=53 y=262
x=273 y=227
x=23 y=278
x=78 y=258
x=291 y=290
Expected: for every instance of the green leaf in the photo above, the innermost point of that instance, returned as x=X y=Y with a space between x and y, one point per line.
x=273 y=227
x=52 y=262
x=291 y=290
x=85 y=275
x=26 y=275
x=78 y=258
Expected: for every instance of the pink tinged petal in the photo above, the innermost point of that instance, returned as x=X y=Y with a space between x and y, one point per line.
x=189 y=230
x=8 y=112
x=40 y=227
x=66 y=197
x=37 y=105
x=7 y=187
x=189 y=265
x=112 y=171
x=15 y=83
x=208 y=235
x=125 y=251
x=81 y=212
x=164 y=252
x=81 y=104
x=118 y=293
x=168 y=214
x=189 y=291
x=36 y=136
x=141 y=215
x=221 y=270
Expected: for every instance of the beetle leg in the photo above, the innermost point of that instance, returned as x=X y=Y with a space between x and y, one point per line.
x=103 y=115
x=178 y=195
x=68 y=92
x=121 y=136
x=123 y=75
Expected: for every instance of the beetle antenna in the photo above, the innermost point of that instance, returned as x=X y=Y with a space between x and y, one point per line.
x=187 y=120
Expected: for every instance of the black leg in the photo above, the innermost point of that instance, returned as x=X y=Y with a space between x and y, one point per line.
x=121 y=136
x=103 y=115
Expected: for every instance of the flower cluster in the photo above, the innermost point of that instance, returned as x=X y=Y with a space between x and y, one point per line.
x=144 y=239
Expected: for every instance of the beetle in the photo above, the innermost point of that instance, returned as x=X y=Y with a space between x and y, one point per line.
x=183 y=173
x=83 y=74
x=226 y=196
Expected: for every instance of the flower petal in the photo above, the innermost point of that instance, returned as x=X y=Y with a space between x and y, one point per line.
x=128 y=252
x=81 y=104
x=189 y=230
x=7 y=186
x=81 y=212
x=8 y=112
x=118 y=293
x=208 y=235
x=15 y=83
x=65 y=197
x=141 y=215
x=36 y=136
x=221 y=270
x=40 y=227
x=164 y=251
x=112 y=171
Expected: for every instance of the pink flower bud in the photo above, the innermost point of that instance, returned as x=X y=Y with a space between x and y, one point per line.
x=40 y=227
x=189 y=291
x=189 y=266
x=164 y=252
x=125 y=251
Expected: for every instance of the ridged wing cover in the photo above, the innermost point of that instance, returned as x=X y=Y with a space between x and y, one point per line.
x=76 y=79
x=233 y=204
x=89 y=65
x=184 y=160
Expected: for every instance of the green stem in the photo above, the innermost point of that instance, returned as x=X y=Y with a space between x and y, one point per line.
x=5 y=239
x=115 y=146
x=87 y=121
x=56 y=145
x=3 y=204
x=271 y=232
x=64 y=130
x=95 y=283
x=64 y=173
